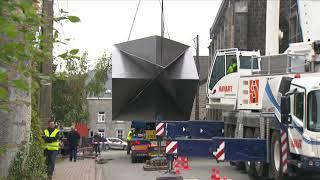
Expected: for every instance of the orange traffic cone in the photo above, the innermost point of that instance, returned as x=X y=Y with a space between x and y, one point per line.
x=185 y=164
x=177 y=166
x=217 y=175
x=213 y=174
x=224 y=178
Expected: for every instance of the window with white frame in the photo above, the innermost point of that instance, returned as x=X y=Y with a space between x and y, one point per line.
x=101 y=133
x=101 y=116
x=120 y=133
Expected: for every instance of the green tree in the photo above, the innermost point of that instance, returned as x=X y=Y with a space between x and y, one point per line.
x=72 y=87
x=22 y=50
x=69 y=94
x=101 y=69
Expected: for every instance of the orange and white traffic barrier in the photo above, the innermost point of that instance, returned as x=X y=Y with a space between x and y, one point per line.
x=160 y=129
x=219 y=154
x=171 y=147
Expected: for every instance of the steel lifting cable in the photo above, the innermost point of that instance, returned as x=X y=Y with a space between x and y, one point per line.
x=134 y=19
x=164 y=22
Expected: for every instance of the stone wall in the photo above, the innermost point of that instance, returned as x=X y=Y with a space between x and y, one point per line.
x=15 y=125
x=256 y=25
x=242 y=24
x=202 y=103
x=204 y=65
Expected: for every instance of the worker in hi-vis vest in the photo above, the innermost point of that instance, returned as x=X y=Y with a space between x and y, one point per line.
x=129 y=138
x=52 y=145
x=232 y=68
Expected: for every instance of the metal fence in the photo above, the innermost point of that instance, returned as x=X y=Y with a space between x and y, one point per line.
x=283 y=64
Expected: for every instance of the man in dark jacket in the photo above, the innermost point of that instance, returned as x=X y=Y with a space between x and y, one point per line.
x=96 y=141
x=73 y=140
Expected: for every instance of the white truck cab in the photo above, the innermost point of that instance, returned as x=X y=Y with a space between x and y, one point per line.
x=226 y=69
x=304 y=129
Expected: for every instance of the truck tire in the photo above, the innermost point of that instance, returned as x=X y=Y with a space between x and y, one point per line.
x=250 y=165
x=276 y=163
x=260 y=167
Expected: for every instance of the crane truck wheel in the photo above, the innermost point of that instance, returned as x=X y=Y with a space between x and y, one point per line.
x=276 y=163
x=260 y=167
x=249 y=165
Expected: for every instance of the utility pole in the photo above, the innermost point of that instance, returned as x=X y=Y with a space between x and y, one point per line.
x=197 y=108
x=46 y=67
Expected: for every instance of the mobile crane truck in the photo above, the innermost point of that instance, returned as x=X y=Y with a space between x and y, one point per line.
x=271 y=104
x=272 y=98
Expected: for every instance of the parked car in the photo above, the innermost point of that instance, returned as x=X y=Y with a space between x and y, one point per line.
x=115 y=143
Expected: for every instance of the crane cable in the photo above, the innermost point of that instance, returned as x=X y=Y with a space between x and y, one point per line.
x=164 y=21
x=134 y=19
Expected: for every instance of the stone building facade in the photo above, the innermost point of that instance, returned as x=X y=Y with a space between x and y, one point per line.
x=100 y=114
x=242 y=24
x=204 y=66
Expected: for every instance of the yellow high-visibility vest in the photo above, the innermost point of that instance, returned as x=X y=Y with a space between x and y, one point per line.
x=129 y=137
x=53 y=146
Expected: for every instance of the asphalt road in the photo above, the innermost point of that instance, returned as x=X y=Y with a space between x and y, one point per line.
x=119 y=167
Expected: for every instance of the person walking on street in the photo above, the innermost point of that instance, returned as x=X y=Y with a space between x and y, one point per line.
x=96 y=141
x=73 y=140
x=52 y=145
x=129 y=138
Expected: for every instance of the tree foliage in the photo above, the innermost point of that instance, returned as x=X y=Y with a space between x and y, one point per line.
x=102 y=67
x=72 y=87
x=69 y=102
x=23 y=48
